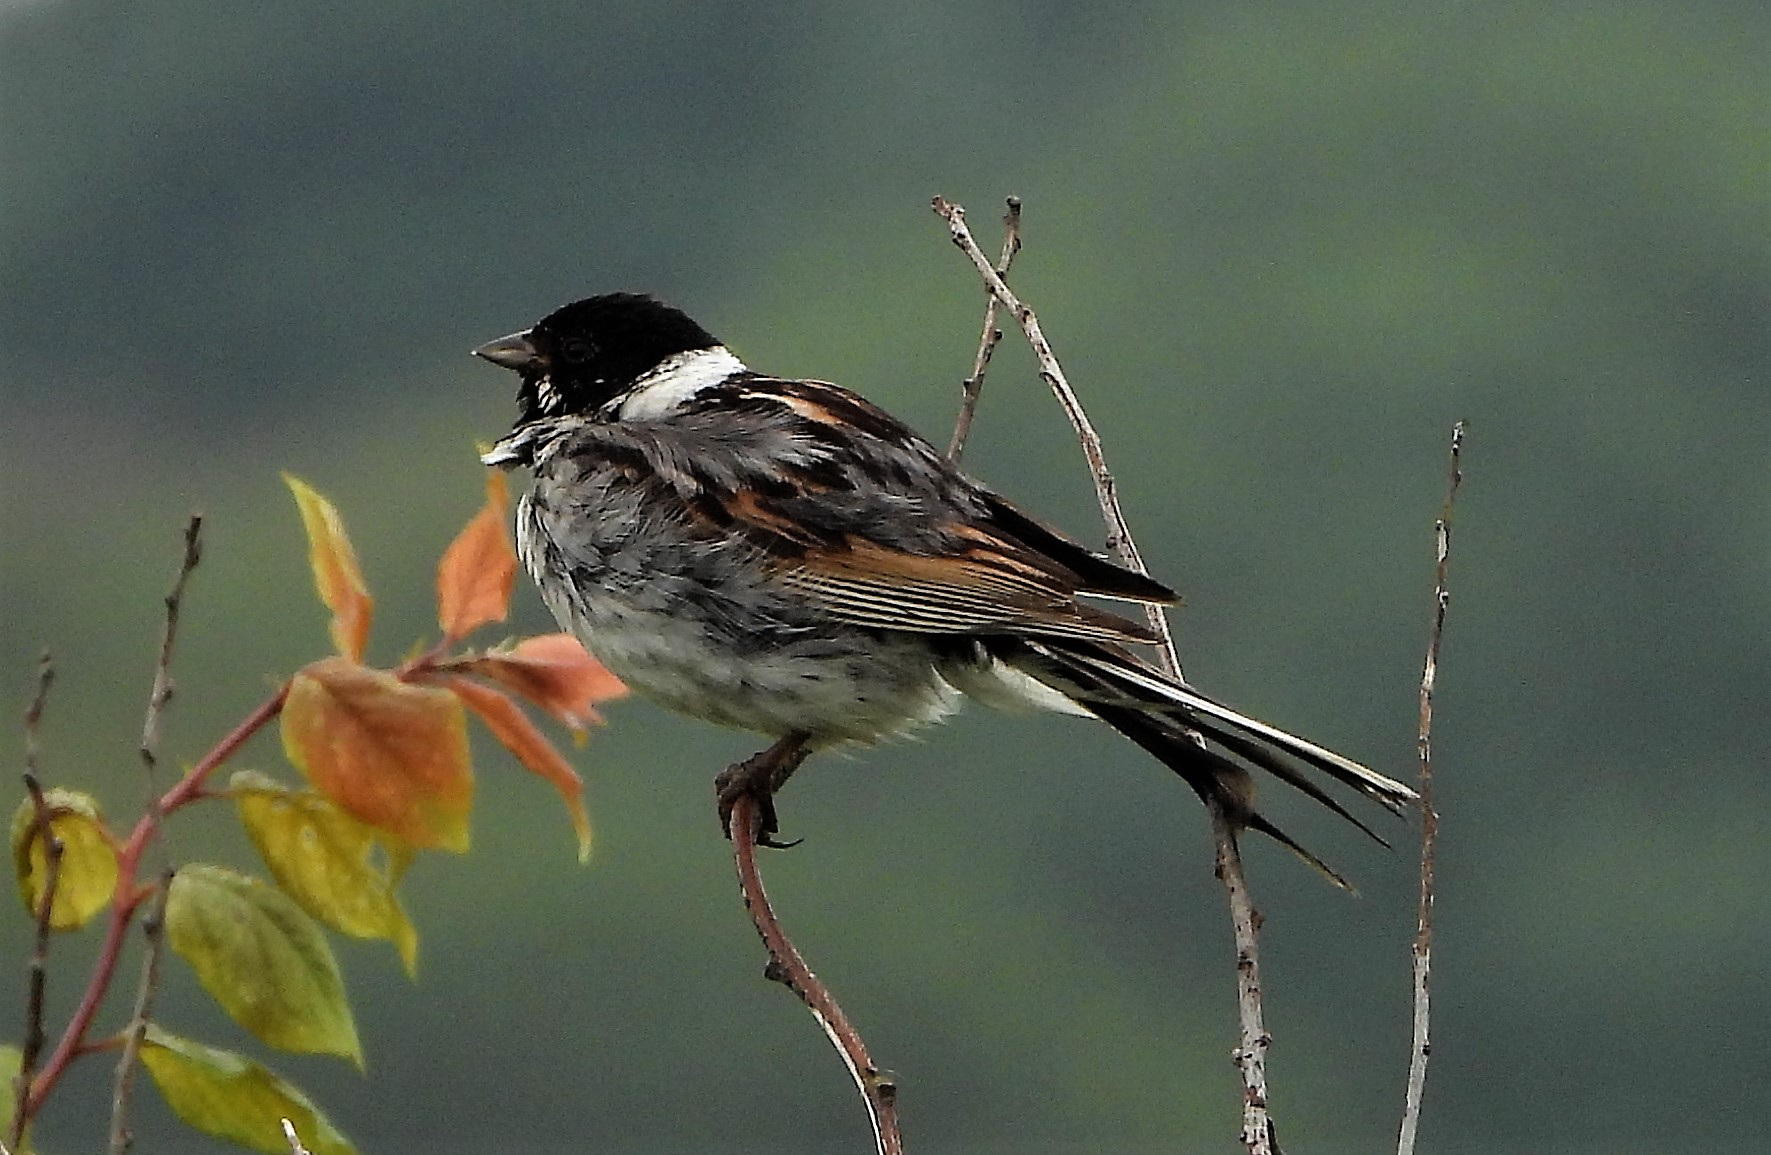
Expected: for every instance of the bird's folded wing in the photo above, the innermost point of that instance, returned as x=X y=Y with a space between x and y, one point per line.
x=858 y=515
x=982 y=591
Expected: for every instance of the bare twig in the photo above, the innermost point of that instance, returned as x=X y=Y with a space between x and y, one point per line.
x=38 y=968
x=295 y=1147
x=973 y=386
x=1119 y=540
x=1250 y=1054
x=153 y=929
x=1429 y=831
x=788 y=967
x=34 y=1038
x=34 y=712
x=161 y=693
x=158 y=696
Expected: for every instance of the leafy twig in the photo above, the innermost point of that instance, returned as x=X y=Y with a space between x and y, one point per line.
x=1250 y=1055
x=128 y=896
x=153 y=929
x=788 y=967
x=1429 y=831
x=973 y=386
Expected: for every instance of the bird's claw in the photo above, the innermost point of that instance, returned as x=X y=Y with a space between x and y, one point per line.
x=757 y=778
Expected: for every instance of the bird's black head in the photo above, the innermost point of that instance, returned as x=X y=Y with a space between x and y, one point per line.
x=579 y=357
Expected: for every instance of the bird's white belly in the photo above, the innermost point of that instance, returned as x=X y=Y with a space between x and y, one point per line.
x=833 y=690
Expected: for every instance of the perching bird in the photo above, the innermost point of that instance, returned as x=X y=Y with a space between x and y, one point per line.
x=782 y=556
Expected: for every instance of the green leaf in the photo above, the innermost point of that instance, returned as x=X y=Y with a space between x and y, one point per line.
x=325 y=860
x=230 y=1097
x=262 y=959
x=89 y=862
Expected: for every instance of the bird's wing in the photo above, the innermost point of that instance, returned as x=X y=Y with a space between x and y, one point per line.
x=987 y=589
x=855 y=513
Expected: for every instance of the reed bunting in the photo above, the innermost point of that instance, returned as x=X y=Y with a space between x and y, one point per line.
x=782 y=556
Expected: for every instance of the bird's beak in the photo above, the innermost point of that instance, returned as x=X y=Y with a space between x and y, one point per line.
x=516 y=351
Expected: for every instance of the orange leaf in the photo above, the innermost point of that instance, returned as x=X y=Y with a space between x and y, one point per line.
x=512 y=727
x=475 y=575
x=554 y=672
x=336 y=575
x=392 y=754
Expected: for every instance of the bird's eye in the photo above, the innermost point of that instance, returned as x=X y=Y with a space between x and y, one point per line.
x=576 y=350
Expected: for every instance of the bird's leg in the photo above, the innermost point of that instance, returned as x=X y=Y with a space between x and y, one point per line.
x=760 y=776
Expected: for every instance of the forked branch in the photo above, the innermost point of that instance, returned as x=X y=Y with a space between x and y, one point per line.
x=973 y=387
x=153 y=924
x=1250 y=1054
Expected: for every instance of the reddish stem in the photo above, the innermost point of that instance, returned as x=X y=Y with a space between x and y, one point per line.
x=127 y=896
x=788 y=967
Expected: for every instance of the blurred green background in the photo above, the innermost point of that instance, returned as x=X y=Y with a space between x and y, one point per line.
x=1280 y=248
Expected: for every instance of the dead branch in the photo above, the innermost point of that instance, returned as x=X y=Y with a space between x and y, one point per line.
x=973 y=387
x=1429 y=829
x=38 y=968
x=1250 y=1055
x=153 y=929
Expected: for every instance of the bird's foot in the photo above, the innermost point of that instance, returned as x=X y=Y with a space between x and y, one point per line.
x=758 y=778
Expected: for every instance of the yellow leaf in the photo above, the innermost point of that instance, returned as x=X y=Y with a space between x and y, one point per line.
x=230 y=1097
x=336 y=574
x=392 y=754
x=262 y=959
x=555 y=672
x=11 y=1059
x=475 y=575
x=512 y=727
x=325 y=860
x=89 y=861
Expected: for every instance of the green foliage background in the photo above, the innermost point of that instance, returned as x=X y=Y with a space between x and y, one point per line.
x=1279 y=247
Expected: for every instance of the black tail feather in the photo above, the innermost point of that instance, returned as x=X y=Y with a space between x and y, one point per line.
x=1216 y=779
x=1164 y=716
x=1279 y=768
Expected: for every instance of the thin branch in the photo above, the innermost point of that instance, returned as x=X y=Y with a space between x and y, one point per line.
x=294 y=1140
x=153 y=929
x=973 y=387
x=1119 y=539
x=39 y=965
x=1429 y=831
x=788 y=967
x=161 y=693
x=147 y=831
x=34 y=712
x=1250 y=1055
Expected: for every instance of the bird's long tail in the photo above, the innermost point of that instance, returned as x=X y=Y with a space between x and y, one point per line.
x=1164 y=716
